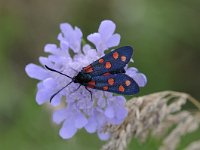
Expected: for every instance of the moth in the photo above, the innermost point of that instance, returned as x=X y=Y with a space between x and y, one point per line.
x=106 y=74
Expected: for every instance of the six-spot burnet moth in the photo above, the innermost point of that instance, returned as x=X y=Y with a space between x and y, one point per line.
x=106 y=73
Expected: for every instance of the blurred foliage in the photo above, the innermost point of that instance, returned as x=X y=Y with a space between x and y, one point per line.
x=165 y=35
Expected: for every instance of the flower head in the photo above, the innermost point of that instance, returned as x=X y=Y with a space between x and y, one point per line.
x=78 y=110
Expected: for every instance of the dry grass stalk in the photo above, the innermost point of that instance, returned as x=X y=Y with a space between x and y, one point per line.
x=194 y=146
x=155 y=114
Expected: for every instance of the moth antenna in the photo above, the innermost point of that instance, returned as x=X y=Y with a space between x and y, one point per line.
x=59 y=91
x=53 y=70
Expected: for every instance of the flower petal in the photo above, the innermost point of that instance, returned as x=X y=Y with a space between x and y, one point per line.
x=104 y=136
x=51 y=48
x=45 y=61
x=139 y=78
x=36 y=72
x=56 y=100
x=68 y=129
x=70 y=37
x=66 y=29
x=43 y=95
x=120 y=113
x=78 y=32
x=59 y=115
x=91 y=126
x=49 y=83
x=80 y=121
x=95 y=38
x=101 y=102
x=109 y=112
x=120 y=100
x=64 y=45
x=107 y=28
x=89 y=52
x=113 y=41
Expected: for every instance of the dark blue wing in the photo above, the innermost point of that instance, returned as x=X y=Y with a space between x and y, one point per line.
x=116 y=83
x=115 y=61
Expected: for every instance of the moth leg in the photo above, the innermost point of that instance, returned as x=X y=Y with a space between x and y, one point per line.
x=76 y=89
x=89 y=92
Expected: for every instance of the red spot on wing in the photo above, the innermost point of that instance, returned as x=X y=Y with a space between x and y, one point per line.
x=91 y=84
x=123 y=58
x=105 y=88
x=111 y=81
x=115 y=55
x=108 y=65
x=106 y=74
x=127 y=82
x=101 y=60
x=85 y=68
x=88 y=69
x=121 y=88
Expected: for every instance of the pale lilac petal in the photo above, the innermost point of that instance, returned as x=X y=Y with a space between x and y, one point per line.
x=64 y=45
x=59 y=115
x=104 y=136
x=108 y=94
x=71 y=37
x=113 y=41
x=43 y=95
x=60 y=37
x=36 y=72
x=105 y=38
x=45 y=61
x=75 y=41
x=100 y=117
x=68 y=129
x=86 y=48
x=120 y=100
x=131 y=70
x=95 y=38
x=75 y=46
x=109 y=112
x=40 y=85
x=121 y=113
x=106 y=29
x=50 y=48
x=139 y=78
x=101 y=102
x=99 y=94
x=55 y=59
x=56 y=100
x=80 y=121
x=45 y=91
x=89 y=52
x=66 y=28
x=78 y=32
x=91 y=126
x=49 y=83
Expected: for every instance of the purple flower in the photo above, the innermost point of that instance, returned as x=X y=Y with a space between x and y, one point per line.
x=78 y=110
x=139 y=78
x=105 y=38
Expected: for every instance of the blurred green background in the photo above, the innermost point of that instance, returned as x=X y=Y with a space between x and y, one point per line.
x=165 y=35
